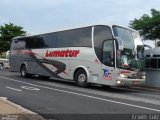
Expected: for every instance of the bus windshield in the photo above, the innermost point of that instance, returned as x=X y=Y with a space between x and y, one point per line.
x=126 y=58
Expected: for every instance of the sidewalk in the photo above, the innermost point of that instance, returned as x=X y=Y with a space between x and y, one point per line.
x=11 y=111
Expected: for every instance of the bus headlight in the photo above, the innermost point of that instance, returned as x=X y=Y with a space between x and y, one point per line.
x=143 y=77
x=122 y=75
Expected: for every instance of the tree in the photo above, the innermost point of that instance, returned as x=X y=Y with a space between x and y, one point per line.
x=148 y=26
x=7 y=32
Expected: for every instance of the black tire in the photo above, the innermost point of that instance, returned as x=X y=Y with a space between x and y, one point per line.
x=1 y=66
x=106 y=86
x=23 y=72
x=81 y=78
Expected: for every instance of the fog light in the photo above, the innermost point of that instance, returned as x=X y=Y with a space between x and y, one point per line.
x=119 y=82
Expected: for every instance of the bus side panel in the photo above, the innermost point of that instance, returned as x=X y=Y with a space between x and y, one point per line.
x=92 y=69
x=18 y=58
x=15 y=61
x=108 y=76
x=36 y=68
x=87 y=60
x=50 y=66
x=66 y=73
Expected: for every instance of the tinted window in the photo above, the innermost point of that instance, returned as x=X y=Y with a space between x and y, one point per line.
x=158 y=63
x=34 y=42
x=148 y=63
x=147 y=55
x=153 y=63
x=108 y=57
x=76 y=38
x=28 y=42
x=101 y=33
x=126 y=35
x=71 y=38
x=51 y=40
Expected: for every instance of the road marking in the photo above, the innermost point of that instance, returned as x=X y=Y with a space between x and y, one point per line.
x=14 y=89
x=30 y=88
x=88 y=96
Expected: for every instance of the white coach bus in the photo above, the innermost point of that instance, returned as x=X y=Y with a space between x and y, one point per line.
x=102 y=54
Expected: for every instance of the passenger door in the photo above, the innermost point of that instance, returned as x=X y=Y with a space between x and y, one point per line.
x=108 y=61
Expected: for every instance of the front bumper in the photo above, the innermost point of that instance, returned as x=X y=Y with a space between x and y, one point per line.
x=130 y=82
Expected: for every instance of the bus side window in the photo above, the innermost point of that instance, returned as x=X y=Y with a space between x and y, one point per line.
x=148 y=63
x=154 y=63
x=108 y=53
x=101 y=33
x=20 y=45
x=158 y=63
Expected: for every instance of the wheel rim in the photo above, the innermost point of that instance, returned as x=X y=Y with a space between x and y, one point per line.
x=82 y=78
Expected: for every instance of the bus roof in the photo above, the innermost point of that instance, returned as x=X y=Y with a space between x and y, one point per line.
x=75 y=27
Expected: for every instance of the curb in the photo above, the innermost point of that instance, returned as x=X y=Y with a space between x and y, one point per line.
x=26 y=114
x=24 y=110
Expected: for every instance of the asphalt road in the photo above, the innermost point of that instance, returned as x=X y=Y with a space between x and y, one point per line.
x=62 y=100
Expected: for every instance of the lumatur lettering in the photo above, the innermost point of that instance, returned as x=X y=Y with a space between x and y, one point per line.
x=62 y=53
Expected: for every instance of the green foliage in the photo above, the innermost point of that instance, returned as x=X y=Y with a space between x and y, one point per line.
x=7 y=32
x=148 y=26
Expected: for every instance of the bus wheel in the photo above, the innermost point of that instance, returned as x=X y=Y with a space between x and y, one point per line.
x=81 y=78
x=1 y=66
x=23 y=71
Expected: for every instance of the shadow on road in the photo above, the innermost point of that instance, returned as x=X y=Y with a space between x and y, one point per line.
x=72 y=84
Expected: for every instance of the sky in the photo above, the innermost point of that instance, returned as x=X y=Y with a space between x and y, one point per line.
x=41 y=16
